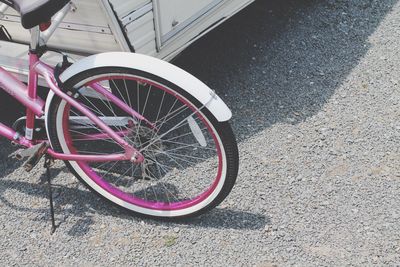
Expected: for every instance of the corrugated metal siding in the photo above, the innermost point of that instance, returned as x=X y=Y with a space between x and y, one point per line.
x=124 y=7
x=137 y=18
x=142 y=35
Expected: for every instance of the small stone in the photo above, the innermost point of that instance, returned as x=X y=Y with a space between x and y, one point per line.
x=268 y=229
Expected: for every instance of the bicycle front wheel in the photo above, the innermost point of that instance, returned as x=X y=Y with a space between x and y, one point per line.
x=191 y=159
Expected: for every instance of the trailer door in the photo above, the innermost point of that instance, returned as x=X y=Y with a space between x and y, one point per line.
x=175 y=15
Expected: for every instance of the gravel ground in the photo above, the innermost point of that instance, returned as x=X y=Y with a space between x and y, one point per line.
x=314 y=87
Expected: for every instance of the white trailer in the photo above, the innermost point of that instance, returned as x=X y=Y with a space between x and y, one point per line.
x=159 y=28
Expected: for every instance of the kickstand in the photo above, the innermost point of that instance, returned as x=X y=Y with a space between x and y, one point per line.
x=47 y=165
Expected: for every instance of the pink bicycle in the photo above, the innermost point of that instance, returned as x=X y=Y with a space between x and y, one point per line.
x=140 y=132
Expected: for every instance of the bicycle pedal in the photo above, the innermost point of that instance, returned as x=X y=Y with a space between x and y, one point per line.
x=34 y=159
x=23 y=153
x=20 y=154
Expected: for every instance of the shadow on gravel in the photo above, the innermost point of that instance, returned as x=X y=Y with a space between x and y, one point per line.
x=37 y=188
x=279 y=61
x=7 y=165
x=229 y=219
x=82 y=204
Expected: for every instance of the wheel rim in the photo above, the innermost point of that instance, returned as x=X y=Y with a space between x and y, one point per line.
x=141 y=200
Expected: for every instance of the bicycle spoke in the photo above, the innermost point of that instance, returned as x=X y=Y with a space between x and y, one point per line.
x=119 y=178
x=88 y=135
x=184 y=145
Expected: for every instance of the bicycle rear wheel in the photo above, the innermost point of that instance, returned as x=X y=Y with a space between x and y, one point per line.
x=191 y=159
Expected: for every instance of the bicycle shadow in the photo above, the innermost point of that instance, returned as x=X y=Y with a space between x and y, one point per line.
x=83 y=204
x=7 y=164
x=78 y=202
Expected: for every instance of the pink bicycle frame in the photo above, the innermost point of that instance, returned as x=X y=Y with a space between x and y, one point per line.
x=27 y=95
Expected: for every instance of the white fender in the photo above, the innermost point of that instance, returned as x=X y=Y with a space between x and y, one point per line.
x=157 y=67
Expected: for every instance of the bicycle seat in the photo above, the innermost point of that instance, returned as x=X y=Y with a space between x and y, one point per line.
x=35 y=12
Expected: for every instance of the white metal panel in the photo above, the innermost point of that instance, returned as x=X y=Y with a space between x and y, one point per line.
x=85 y=30
x=87 y=13
x=84 y=42
x=175 y=15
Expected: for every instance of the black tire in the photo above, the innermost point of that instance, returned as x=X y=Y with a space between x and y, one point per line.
x=223 y=130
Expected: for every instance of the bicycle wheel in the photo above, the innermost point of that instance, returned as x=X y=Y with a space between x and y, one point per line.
x=191 y=159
